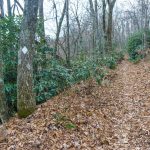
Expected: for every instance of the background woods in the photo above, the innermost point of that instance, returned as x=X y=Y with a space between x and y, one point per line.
x=37 y=62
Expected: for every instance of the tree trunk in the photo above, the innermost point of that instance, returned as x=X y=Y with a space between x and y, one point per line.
x=93 y=17
x=25 y=96
x=104 y=26
x=1 y=9
x=97 y=36
x=146 y=27
x=59 y=25
x=9 y=8
x=41 y=19
x=109 y=31
x=80 y=35
x=68 y=34
x=3 y=106
x=109 y=26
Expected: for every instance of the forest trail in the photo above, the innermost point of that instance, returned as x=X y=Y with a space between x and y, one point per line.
x=132 y=129
x=91 y=117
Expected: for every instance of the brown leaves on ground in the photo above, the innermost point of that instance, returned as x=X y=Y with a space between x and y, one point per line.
x=90 y=117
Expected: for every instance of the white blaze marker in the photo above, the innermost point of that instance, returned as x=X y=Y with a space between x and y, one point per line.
x=24 y=50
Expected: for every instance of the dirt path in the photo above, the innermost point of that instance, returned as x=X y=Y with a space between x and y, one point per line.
x=133 y=128
x=90 y=117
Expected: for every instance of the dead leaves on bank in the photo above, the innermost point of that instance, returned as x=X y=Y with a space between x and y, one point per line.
x=114 y=116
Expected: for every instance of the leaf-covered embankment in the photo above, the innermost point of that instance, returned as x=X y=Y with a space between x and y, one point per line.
x=91 y=117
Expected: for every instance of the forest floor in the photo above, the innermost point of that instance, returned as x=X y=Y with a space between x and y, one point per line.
x=115 y=116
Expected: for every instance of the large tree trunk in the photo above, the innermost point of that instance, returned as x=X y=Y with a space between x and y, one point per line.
x=25 y=96
x=107 y=29
x=3 y=106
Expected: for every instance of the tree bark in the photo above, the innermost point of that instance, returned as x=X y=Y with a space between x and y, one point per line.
x=109 y=30
x=41 y=19
x=108 y=37
x=80 y=34
x=68 y=34
x=92 y=11
x=3 y=106
x=9 y=8
x=1 y=9
x=25 y=96
x=146 y=26
x=104 y=25
x=59 y=25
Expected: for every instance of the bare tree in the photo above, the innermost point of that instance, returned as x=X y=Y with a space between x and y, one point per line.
x=138 y=18
x=1 y=8
x=94 y=16
x=146 y=20
x=104 y=24
x=25 y=96
x=110 y=21
x=58 y=24
x=9 y=8
x=67 y=33
x=79 y=39
x=41 y=19
x=17 y=5
x=92 y=12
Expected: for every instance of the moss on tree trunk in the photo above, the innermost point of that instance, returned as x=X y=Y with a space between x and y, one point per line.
x=25 y=96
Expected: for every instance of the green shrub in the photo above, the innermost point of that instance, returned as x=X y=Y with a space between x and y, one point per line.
x=9 y=39
x=118 y=55
x=50 y=76
x=111 y=62
x=50 y=82
x=90 y=68
x=80 y=71
x=99 y=74
x=134 y=44
x=114 y=58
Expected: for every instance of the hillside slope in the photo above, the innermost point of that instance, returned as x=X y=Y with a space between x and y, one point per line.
x=115 y=116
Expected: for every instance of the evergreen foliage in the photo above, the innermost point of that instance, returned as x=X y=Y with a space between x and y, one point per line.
x=51 y=76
